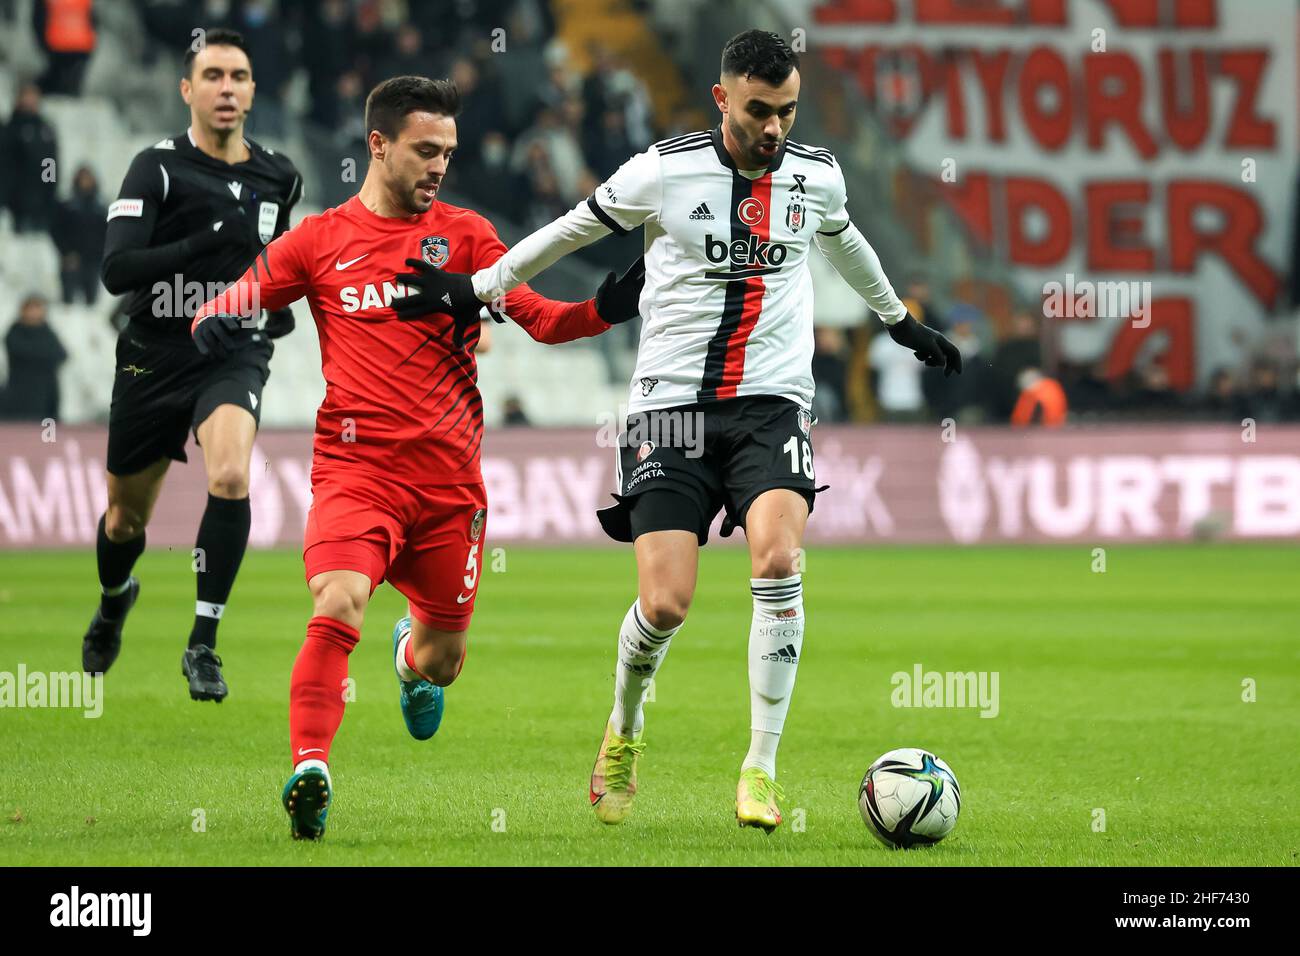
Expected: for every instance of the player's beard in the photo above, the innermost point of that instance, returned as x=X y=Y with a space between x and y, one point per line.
x=418 y=195
x=749 y=145
x=409 y=196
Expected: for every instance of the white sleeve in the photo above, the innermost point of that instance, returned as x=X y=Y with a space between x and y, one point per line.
x=620 y=204
x=854 y=259
x=838 y=215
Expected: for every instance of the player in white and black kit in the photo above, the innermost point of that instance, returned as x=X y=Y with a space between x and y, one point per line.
x=193 y=211
x=730 y=216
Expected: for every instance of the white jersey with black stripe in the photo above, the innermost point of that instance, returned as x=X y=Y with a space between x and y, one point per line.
x=727 y=307
x=727 y=304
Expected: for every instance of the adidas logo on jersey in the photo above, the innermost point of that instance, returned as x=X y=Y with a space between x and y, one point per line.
x=785 y=655
x=701 y=212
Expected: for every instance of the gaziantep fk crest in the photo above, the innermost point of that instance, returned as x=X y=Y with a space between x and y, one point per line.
x=435 y=250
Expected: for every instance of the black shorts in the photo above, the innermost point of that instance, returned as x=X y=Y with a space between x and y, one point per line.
x=698 y=459
x=163 y=389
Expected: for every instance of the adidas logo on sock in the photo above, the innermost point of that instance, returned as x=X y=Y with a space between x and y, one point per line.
x=701 y=212
x=785 y=655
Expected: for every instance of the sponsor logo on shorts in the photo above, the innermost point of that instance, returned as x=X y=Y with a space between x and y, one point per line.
x=647 y=448
x=647 y=469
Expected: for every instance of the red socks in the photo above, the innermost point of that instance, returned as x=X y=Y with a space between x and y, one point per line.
x=317 y=687
x=408 y=657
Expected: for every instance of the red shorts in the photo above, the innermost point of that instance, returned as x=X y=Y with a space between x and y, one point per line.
x=426 y=542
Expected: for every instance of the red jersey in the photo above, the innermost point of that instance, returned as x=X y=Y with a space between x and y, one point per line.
x=399 y=400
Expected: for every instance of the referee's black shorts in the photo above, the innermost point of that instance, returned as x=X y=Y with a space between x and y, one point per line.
x=163 y=388
x=675 y=476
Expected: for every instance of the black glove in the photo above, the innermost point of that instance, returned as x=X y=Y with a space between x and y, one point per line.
x=930 y=347
x=218 y=336
x=618 y=296
x=278 y=323
x=439 y=292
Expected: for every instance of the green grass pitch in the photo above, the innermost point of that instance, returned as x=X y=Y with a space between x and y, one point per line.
x=1120 y=692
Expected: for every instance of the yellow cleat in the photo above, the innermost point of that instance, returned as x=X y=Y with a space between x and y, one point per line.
x=756 y=797
x=613 y=779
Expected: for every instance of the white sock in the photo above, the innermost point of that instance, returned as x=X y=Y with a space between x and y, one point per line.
x=403 y=671
x=775 y=643
x=641 y=649
x=208 y=609
x=320 y=765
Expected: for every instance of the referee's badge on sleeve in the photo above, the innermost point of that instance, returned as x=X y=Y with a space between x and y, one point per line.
x=268 y=214
x=133 y=208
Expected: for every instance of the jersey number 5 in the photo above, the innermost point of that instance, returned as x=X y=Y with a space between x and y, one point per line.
x=471 y=565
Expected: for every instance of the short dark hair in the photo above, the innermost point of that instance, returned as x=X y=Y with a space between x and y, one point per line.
x=214 y=36
x=761 y=54
x=389 y=103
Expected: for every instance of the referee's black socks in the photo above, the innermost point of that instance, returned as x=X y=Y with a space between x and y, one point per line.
x=115 y=563
x=219 y=549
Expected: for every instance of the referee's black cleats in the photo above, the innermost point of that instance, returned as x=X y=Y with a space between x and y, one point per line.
x=103 y=640
x=202 y=668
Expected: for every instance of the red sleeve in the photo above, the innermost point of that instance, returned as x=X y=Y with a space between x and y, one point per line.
x=279 y=275
x=547 y=320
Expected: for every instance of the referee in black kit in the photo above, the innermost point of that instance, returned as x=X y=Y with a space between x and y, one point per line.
x=194 y=210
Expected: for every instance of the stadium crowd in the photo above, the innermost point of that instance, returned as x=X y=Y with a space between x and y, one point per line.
x=528 y=151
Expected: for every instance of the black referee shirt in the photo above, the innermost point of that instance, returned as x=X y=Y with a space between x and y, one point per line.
x=173 y=197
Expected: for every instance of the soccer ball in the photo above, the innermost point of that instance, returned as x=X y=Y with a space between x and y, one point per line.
x=909 y=797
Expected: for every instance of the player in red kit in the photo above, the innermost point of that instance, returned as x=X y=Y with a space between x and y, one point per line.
x=396 y=485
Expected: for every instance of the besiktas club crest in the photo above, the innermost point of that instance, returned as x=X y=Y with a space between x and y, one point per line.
x=794 y=216
x=435 y=250
x=805 y=421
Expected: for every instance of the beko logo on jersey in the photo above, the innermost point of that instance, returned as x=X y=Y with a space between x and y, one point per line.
x=746 y=254
x=371 y=296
